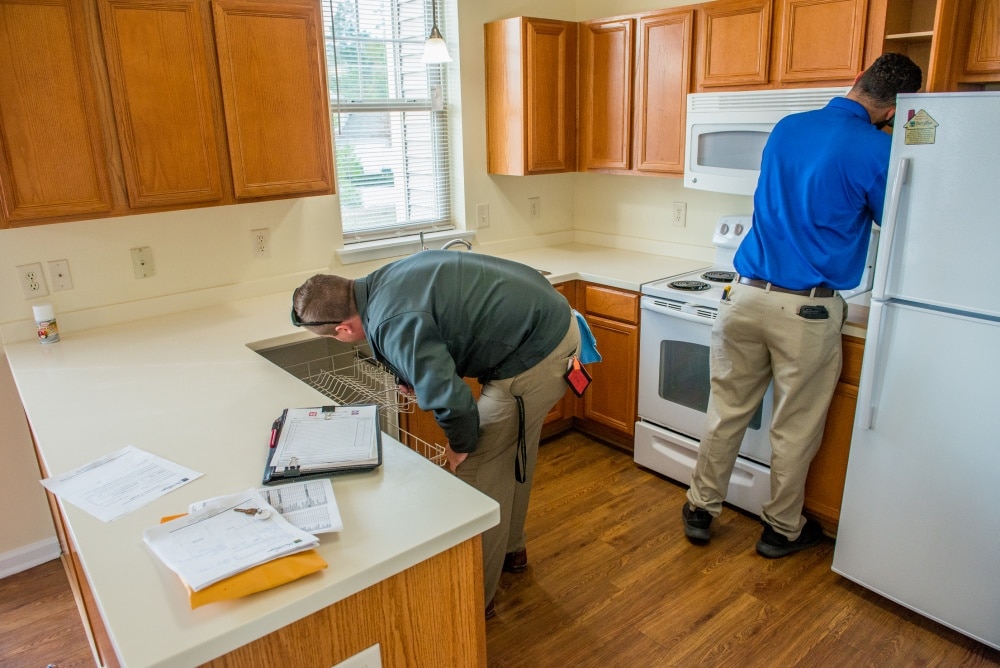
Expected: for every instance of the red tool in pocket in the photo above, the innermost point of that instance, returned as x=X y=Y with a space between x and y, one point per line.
x=577 y=377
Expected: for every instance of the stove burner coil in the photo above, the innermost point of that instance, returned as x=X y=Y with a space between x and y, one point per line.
x=691 y=286
x=719 y=276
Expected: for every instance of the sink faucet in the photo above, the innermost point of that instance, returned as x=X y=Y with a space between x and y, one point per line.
x=457 y=242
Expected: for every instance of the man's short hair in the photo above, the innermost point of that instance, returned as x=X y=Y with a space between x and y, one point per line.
x=889 y=75
x=325 y=298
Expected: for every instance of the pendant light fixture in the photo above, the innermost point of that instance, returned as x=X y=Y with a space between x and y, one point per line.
x=435 y=50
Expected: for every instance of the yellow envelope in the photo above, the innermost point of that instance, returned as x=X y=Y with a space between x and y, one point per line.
x=259 y=578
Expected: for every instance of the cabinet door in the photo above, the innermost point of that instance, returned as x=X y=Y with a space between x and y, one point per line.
x=733 y=43
x=560 y=418
x=550 y=95
x=820 y=40
x=612 y=396
x=530 y=96
x=606 y=49
x=52 y=149
x=158 y=68
x=824 y=488
x=984 y=43
x=273 y=73
x=662 y=83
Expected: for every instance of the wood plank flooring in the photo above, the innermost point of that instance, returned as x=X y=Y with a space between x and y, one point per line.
x=613 y=582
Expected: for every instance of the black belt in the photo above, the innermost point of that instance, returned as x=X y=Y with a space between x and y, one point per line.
x=764 y=285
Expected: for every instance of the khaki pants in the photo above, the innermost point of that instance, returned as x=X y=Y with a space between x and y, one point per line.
x=490 y=467
x=759 y=336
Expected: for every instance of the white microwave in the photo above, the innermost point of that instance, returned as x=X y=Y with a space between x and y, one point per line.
x=726 y=133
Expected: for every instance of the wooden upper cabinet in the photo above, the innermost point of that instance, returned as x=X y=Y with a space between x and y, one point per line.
x=52 y=146
x=984 y=41
x=819 y=40
x=161 y=89
x=924 y=30
x=273 y=73
x=530 y=96
x=606 y=66
x=733 y=43
x=663 y=79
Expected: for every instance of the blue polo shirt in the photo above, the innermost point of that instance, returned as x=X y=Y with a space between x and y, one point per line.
x=822 y=183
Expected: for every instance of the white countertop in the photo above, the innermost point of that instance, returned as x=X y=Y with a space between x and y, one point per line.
x=615 y=268
x=186 y=387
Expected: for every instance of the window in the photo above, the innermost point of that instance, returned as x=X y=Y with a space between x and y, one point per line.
x=388 y=117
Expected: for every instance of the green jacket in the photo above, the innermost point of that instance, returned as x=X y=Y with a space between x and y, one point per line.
x=437 y=317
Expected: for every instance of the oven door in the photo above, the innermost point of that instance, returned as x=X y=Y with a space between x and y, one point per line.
x=674 y=376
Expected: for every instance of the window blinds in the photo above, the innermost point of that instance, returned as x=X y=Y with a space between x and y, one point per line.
x=388 y=117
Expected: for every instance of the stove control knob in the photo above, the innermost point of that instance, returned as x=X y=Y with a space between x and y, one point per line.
x=738 y=230
x=724 y=229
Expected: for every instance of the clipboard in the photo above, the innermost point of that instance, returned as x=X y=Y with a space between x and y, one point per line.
x=321 y=441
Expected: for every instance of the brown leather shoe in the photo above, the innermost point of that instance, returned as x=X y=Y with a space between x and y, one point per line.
x=491 y=609
x=516 y=562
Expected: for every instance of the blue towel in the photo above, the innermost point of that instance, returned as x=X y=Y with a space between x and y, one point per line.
x=588 y=344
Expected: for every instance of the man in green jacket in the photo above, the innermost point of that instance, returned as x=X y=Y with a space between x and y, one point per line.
x=437 y=317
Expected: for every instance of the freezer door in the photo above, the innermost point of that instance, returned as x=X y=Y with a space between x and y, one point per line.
x=941 y=246
x=920 y=521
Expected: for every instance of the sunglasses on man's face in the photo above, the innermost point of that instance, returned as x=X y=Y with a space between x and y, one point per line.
x=301 y=323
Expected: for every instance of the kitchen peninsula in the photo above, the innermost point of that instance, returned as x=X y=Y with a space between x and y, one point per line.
x=405 y=572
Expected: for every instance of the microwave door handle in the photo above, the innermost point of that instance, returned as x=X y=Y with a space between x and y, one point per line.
x=888 y=230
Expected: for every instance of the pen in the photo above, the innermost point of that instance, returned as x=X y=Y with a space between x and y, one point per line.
x=275 y=427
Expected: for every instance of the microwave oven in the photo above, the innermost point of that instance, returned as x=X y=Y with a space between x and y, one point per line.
x=726 y=133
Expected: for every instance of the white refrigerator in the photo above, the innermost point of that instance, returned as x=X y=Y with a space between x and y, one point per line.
x=920 y=521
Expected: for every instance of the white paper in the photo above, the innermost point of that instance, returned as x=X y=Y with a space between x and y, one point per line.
x=313 y=439
x=119 y=483
x=219 y=541
x=308 y=505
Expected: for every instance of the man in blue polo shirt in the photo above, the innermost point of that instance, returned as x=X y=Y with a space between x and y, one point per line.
x=822 y=183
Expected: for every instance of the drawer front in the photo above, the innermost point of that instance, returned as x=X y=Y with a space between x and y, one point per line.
x=611 y=303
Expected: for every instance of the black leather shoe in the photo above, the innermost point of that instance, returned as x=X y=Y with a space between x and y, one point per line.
x=773 y=545
x=696 y=523
x=516 y=562
x=491 y=609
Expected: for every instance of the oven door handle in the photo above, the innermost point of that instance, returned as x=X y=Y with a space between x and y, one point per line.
x=649 y=304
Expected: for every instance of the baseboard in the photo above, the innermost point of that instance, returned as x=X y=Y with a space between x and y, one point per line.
x=28 y=556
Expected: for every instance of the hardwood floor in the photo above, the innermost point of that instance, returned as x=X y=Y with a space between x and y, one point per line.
x=39 y=622
x=613 y=582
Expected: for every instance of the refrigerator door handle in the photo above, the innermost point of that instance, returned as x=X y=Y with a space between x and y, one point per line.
x=888 y=229
x=865 y=414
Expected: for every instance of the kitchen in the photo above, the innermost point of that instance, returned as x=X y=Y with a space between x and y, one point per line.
x=627 y=213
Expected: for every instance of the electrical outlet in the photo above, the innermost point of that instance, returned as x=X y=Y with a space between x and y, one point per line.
x=142 y=262
x=680 y=214
x=535 y=208
x=261 y=239
x=482 y=216
x=59 y=273
x=32 y=280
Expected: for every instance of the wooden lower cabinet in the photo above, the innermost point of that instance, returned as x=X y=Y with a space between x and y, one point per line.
x=825 y=484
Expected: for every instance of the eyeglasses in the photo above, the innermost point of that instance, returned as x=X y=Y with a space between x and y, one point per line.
x=299 y=323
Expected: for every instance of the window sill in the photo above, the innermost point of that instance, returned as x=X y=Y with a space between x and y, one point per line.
x=397 y=246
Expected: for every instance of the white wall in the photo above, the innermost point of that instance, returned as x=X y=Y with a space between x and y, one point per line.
x=204 y=255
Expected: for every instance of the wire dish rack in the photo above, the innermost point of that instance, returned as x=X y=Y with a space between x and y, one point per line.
x=354 y=377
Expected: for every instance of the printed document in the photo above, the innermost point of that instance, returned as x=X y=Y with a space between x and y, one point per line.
x=308 y=505
x=119 y=483
x=229 y=536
